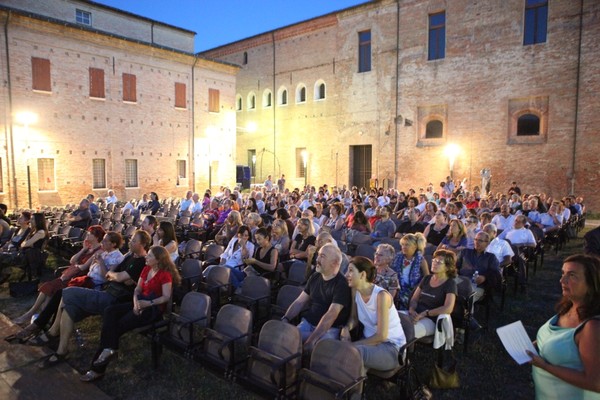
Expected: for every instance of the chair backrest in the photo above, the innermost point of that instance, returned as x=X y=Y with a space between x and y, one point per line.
x=233 y=321
x=213 y=251
x=195 y=309
x=462 y=305
x=255 y=287
x=287 y=295
x=407 y=326
x=365 y=250
x=337 y=361
x=191 y=269
x=217 y=276
x=297 y=273
x=193 y=248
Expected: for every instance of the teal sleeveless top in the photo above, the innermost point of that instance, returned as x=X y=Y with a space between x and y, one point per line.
x=557 y=346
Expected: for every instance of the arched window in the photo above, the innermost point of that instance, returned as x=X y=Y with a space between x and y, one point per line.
x=245 y=61
x=301 y=94
x=267 y=100
x=282 y=96
x=251 y=101
x=319 y=90
x=434 y=129
x=528 y=125
x=238 y=103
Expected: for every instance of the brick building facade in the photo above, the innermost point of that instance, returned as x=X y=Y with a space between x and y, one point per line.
x=122 y=102
x=378 y=91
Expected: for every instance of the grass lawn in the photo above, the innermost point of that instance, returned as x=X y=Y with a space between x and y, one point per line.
x=486 y=372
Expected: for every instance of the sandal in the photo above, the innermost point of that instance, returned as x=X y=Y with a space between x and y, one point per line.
x=105 y=357
x=20 y=337
x=52 y=360
x=91 y=376
x=43 y=339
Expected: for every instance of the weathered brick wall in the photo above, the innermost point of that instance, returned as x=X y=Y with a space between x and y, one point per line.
x=486 y=76
x=73 y=128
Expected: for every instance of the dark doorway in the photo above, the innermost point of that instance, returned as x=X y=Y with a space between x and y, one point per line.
x=360 y=166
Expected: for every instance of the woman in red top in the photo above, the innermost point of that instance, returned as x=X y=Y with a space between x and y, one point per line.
x=150 y=297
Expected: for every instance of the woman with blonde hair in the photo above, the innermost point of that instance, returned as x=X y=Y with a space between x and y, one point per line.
x=410 y=265
x=456 y=239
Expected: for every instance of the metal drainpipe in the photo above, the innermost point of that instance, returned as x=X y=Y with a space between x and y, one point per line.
x=397 y=95
x=575 y=126
x=9 y=135
x=193 y=132
x=273 y=100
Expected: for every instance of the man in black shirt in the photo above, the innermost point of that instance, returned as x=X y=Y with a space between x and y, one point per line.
x=329 y=297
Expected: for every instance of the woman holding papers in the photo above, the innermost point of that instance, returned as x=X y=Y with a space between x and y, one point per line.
x=568 y=366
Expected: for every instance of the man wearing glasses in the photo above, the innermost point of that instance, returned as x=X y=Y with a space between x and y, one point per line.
x=485 y=264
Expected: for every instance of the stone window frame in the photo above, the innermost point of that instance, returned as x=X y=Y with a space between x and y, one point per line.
x=280 y=92
x=299 y=88
x=251 y=101
x=517 y=107
x=317 y=90
x=266 y=101
x=427 y=114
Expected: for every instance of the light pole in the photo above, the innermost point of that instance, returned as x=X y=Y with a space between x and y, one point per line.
x=452 y=151
x=305 y=163
x=27 y=118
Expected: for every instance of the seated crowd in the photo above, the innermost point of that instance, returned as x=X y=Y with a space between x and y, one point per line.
x=417 y=244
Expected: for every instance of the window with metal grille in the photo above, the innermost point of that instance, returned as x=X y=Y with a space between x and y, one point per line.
x=300 y=162
x=181 y=169
x=40 y=74
x=129 y=88
x=46 y=174
x=99 y=173
x=131 y=173
x=97 y=83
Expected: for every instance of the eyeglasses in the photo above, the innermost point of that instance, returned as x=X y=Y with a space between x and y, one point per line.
x=481 y=240
x=435 y=260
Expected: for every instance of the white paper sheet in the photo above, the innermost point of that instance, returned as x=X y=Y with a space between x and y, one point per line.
x=515 y=341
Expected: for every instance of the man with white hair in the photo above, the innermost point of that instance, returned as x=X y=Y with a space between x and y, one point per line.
x=329 y=297
x=111 y=198
x=186 y=203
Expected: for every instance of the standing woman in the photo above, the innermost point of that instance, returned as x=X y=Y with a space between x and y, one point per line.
x=150 y=298
x=166 y=233
x=435 y=295
x=410 y=265
x=374 y=307
x=568 y=366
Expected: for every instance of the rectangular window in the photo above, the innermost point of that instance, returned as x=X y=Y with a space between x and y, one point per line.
x=536 y=21
x=301 y=159
x=129 y=88
x=97 y=83
x=252 y=161
x=437 y=36
x=180 y=95
x=181 y=170
x=131 y=173
x=364 y=51
x=213 y=100
x=46 y=174
x=40 y=74
x=83 y=17
x=99 y=173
